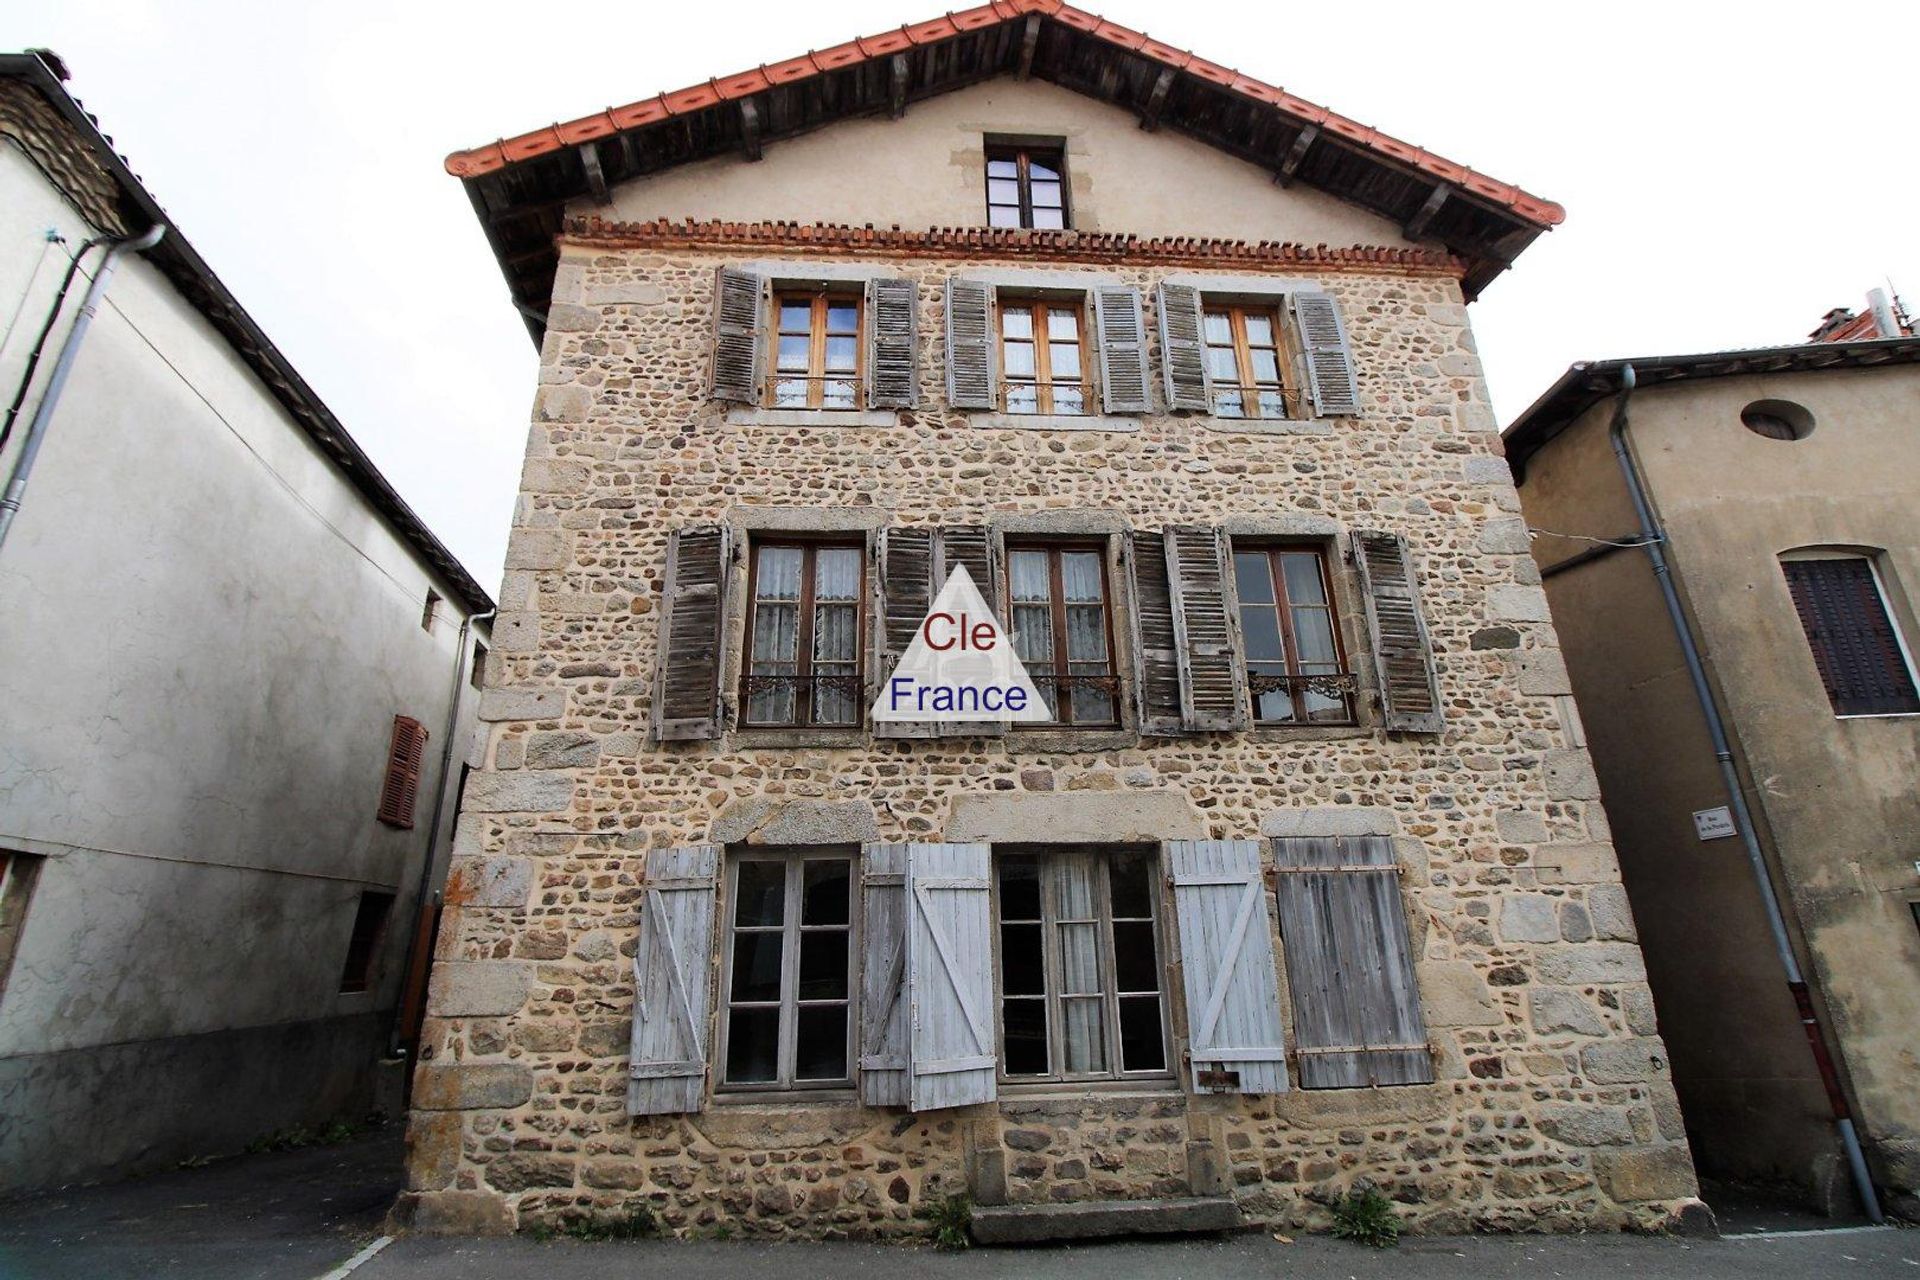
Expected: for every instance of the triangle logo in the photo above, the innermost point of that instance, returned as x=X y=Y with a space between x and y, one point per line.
x=960 y=668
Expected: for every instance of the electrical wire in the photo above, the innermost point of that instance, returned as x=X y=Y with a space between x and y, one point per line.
x=1581 y=537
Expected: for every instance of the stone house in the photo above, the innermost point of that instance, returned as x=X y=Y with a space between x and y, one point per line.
x=234 y=662
x=1305 y=883
x=1785 y=484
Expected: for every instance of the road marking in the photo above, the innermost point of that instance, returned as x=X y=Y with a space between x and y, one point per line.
x=1795 y=1235
x=346 y=1268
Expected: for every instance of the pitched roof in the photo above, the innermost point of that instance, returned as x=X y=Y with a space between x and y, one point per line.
x=519 y=185
x=115 y=201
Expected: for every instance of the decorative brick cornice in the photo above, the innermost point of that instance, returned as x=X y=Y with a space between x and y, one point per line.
x=985 y=242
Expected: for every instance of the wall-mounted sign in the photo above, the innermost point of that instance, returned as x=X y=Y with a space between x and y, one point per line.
x=961 y=667
x=1713 y=824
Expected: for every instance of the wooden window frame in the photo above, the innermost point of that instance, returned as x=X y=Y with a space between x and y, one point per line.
x=1042 y=380
x=1109 y=979
x=1902 y=650
x=787 y=1050
x=1284 y=608
x=803 y=704
x=1062 y=675
x=1054 y=156
x=1248 y=385
x=818 y=300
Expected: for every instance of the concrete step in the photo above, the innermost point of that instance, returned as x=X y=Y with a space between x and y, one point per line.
x=1086 y=1220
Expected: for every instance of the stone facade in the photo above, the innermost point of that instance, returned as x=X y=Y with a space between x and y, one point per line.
x=1551 y=1107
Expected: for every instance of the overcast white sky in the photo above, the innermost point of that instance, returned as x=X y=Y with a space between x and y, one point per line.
x=1730 y=171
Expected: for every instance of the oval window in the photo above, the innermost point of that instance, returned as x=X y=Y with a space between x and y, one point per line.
x=1777 y=419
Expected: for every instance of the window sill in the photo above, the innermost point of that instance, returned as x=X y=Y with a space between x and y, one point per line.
x=1878 y=715
x=749 y=416
x=1053 y=422
x=1066 y=741
x=1044 y=1090
x=834 y=1096
x=1308 y=732
x=1267 y=426
x=851 y=736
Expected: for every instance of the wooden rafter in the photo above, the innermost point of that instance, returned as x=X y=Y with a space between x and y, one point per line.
x=1150 y=114
x=596 y=177
x=1297 y=155
x=897 y=85
x=1417 y=225
x=749 y=129
x=1029 y=43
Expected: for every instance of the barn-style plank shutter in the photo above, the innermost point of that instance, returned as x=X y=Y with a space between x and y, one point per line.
x=884 y=1015
x=1183 y=356
x=1123 y=348
x=893 y=381
x=906 y=593
x=1156 y=646
x=1213 y=694
x=686 y=681
x=1323 y=340
x=667 y=1063
x=739 y=346
x=1356 y=1003
x=970 y=363
x=1402 y=653
x=400 y=788
x=949 y=976
x=1236 y=1042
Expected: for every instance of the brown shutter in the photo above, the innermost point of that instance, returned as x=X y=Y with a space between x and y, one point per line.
x=1156 y=656
x=906 y=593
x=406 y=752
x=1323 y=339
x=1855 y=646
x=739 y=352
x=1123 y=349
x=972 y=546
x=1212 y=682
x=1343 y=926
x=1183 y=358
x=686 y=681
x=1402 y=654
x=970 y=344
x=892 y=341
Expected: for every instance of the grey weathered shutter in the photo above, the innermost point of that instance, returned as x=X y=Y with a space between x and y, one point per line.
x=883 y=976
x=1236 y=1040
x=1183 y=356
x=970 y=362
x=1123 y=349
x=1356 y=1003
x=1323 y=340
x=893 y=382
x=667 y=1062
x=906 y=593
x=1212 y=684
x=739 y=352
x=972 y=546
x=1402 y=653
x=686 y=679
x=1156 y=647
x=950 y=975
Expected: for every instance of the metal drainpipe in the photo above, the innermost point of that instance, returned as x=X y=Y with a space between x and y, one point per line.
x=57 y=381
x=1655 y=538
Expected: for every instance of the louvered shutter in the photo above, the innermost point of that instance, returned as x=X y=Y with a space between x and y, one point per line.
x=1323 y=340
x=739 y=348
x=667 y=1062
x=883 y=976
x=1356 y=1003
x=1402 y=653
x=906 y=594
x=950 y=975
x=1212 y=683
x=893 y=381
x=400 y=788
x=686 y=681
x=1156 y=647
x=970 y=363
x=1123 y=349
x=1183 y=355
x=1855 y=647
x=972 y=546
x=1236 y=1042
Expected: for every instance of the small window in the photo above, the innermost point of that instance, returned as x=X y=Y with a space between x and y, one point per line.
x=1777 y=419
x=1042 y=357
x=1245 y=364
x=816 y=362
x=431 y=611
x=789 y=971
x=18 y=873
x=1861 y=658
x=1027 y=187
x=803 y=634
x=1057 y=601
x=1080 y=969
x=369 y=928
x=478 y=676
x=1296 y=670
x=406 y=752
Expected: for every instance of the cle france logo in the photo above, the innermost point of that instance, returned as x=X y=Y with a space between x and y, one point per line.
x=960 y=667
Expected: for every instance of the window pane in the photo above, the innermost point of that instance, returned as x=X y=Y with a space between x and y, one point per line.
x=823 y=964
x=1260 y=626
x=778 y=575
x=1313 y=636
x=1041 y=170
x=1003 y=190
x=1253 y=577
x=753 y=1043
x=1130 y=885
x=1221 y=364
x=840 y=355
x=833 y=635
x=1002 y=168
x=1084 y=1035
x=1266 y=366
x=1019 y=888
x=836 y=395
x=1022 y=972
x=772 y=703
x=1080 y=577
x=1080 y=960
x=790 y=395
x=1049 y=220
x=1071 y=877
x=792 y=356
x=1218 y=329
x=1272 y=404
x=836 y=573
x=820 y=1051
x=1135 y=967
x=775 y=633
x=1069 y=400
x=1016 y=322
x=1030 y=576
x=762 y=890
x=1087 y=634
x=1003 y=215
x=826 y=889
x=756 y=965
x=1045 y=195
x=1063 y=325
x=1275 y=706
x=843 y=317
x=1228 y=405
x=1259 y=330
x=1064 y=359
x=1022 y=399
x=1019 y=359
x=1025 y=1026
x=1142 y=1046
x=1302 y=570
x=796 y=317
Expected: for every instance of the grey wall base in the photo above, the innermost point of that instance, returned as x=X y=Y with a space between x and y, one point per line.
x=1034 y=1223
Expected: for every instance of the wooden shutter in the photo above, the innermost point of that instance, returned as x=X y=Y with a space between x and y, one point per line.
x=739 y=345
x=1236 y=1042
x=1855 y=647
x=1123 y=349
x=1323 y=340
x=906 y=593
x=893 y=381
x=406 y=753
x=1356 y=1004
x=970 y=363
x=667 y=1063
x=883 y=976
x=1402 y=653
x=1156 y=647
x=1212 y=683
x=972 y=546
x=686 y=681
x=1183 y=356
x=950 y=975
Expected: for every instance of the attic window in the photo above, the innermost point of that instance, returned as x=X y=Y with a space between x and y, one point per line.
x=1027 y=187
